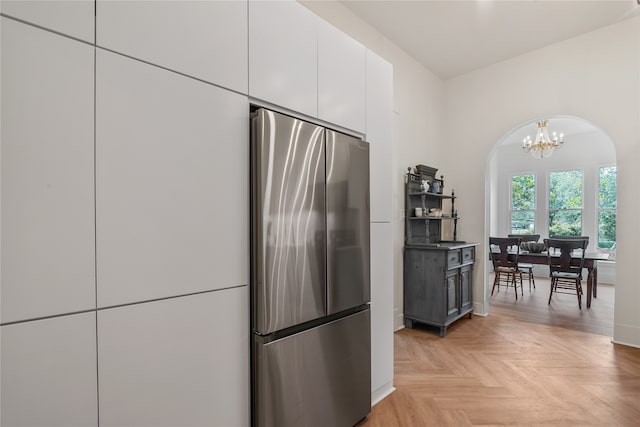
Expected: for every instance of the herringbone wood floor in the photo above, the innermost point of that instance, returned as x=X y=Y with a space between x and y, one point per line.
x=498 y=370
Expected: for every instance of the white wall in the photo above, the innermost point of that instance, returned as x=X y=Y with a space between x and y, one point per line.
x=595 y=76
x=418 y=136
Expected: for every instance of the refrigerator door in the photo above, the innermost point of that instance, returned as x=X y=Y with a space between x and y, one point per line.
x=288 y=221
x=319 y=377
x=348 y=225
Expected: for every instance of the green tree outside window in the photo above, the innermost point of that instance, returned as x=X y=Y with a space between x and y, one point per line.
x=607 y=204
x=565 y=203
x=523 y=204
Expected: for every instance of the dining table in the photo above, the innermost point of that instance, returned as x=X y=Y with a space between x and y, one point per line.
x=590 y=263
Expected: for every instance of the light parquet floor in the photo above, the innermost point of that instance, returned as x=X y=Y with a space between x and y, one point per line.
x=498 y=370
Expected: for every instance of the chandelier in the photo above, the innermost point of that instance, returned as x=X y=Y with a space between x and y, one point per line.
x=543 y=146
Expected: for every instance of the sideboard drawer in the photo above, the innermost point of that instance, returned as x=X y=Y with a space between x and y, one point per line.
x=467 y=255
x=453 y=258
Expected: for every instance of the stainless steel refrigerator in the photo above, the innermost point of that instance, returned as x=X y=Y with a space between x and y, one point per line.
x=310 y=274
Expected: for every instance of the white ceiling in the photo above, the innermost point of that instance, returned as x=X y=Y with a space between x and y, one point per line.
x=453 y=37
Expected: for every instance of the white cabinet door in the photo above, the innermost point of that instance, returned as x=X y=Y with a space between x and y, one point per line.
x=283 y=55
x=379 y=134
x=47 y=174
x=171 y=183
x=381 y=310
x=341 y=78
x=176 y=362
x=74 y=18
x=49 y=372
x=203 y=39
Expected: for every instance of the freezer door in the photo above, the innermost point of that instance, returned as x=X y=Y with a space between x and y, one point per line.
x=348 y=225
x=320 y=377
x=288 y=275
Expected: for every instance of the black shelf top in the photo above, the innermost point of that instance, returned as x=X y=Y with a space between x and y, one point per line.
x=434 y=217
x=444 y=245
x=422 y=193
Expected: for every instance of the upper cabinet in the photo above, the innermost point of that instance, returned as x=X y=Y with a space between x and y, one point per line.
x=379 y=134
x=72 y=18
x=283 y=55
x=47 y=174
x=341 y=78
x=202 y=39
x=302 y=63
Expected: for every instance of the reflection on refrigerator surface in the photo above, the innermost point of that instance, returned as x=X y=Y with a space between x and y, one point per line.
x=311 y=357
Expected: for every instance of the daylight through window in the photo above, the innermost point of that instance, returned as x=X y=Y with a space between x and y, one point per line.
x=565 y=203
x=523 y=204
x=607 y=203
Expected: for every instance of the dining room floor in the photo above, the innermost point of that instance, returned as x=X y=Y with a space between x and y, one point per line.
x=562 y=312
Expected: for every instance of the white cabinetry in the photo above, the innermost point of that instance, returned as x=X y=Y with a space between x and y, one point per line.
x=283 y=55
x=203 y=39
x=176 y=362
x=381 y=310
x=171 y=183
x=49 y=372
x=74 y=18
x=341 y=78
x=379 y=134
x=47 y=174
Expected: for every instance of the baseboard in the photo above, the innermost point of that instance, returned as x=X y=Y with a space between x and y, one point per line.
x=382 y=392
x=625 y=344
x=479 y=309
x=626 y=335
x=398 y=320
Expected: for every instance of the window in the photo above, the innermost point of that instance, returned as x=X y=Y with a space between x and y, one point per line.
x=607 y=208
x=565 y=203
x=523 y=204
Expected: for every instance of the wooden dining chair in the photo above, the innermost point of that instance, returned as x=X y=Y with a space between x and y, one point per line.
x=504 y=252
x=571 y=238
x=526 y=267
x=566 y=277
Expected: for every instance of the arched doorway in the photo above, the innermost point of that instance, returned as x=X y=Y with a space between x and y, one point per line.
x=588 y=152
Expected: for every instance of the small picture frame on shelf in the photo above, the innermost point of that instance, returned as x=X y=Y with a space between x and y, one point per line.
x=436 y=186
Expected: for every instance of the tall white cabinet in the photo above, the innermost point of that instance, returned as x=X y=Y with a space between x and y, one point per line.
x=379 y=101
x=172 y=211
x=49 y=372
x=176 y=362
x=47 y=231
x=379 y=128
x=124 y=226
x=202 y=39
x=73 y=18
